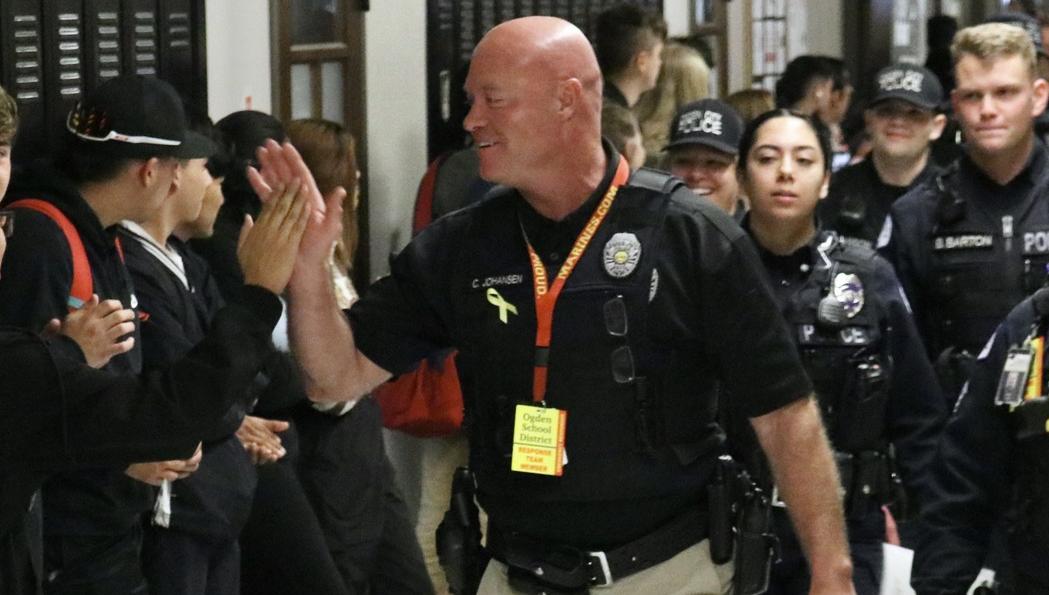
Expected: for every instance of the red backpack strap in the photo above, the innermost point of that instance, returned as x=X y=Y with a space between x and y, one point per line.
x=83 y=284
x=423 y=214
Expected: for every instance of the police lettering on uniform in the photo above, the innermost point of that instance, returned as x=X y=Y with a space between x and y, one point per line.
x=966 y=244
x=902 y=121
x=852 y=326
x=622 y=360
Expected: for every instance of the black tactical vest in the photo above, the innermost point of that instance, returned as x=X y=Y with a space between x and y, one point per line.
x=625 y=439
x=981 y=268
x=848 y=362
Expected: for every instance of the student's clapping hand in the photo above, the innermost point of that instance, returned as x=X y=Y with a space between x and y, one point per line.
x=98 y=328
x=156 y=472
x=268 y=248
x=260 y=439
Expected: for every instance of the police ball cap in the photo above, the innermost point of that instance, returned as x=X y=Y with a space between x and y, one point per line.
x=908 y=82
x=708 y=122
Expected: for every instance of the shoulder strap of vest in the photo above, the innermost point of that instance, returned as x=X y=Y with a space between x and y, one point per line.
x=83 y=284
x=655 y=180
x=859 y=256
x=950 y=207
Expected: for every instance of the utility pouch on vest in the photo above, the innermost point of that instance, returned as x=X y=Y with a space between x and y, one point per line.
x=859 y=420
x=756 y=544
x=459 y=547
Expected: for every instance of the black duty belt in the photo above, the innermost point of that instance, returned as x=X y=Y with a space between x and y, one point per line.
x=571 y=568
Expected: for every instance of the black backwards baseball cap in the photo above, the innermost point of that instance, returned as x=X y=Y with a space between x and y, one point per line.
x=908 y=82
x=136 y=116
x=1026 y=22
x=707 y=122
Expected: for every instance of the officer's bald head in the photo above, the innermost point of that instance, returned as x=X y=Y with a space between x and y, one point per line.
x=545 y=49
x=536 y=91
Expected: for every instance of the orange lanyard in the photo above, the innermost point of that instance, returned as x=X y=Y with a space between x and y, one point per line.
x=546 y=297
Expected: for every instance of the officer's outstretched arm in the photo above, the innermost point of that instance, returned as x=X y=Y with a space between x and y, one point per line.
x=321 y=339
x=803 y=467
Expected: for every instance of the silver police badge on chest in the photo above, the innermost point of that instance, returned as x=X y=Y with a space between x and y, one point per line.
x=848 y=291
x=622 y=253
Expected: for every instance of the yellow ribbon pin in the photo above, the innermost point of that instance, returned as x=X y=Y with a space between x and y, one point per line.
x=504 y=306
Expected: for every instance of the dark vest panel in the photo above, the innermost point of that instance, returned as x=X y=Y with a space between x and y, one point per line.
x=624 y=439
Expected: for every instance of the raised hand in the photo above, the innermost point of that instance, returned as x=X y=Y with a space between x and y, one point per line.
x=281 y=164
x=267 y=249
x=97 y=327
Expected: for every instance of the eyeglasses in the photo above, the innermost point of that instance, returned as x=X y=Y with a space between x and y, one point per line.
x=616 y=324
x=71 y=126
x=7 y=222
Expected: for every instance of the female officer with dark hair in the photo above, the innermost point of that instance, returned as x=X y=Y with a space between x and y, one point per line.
x=851 y=323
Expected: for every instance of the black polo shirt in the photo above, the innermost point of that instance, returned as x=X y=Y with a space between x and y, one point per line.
x=708 y=294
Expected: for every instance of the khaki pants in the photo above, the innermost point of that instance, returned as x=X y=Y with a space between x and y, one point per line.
x=691 y=572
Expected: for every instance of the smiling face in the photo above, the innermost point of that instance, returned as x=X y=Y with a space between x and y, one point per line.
x=513 y=115
x=785 y=173
x=707 y=172
x=996 y=100
x=902 y=130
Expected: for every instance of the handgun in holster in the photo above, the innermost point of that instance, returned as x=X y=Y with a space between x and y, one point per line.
x=756 y=544
x=459 y=547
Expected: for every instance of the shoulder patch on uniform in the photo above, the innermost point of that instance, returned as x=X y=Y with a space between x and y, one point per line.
x=885 y=234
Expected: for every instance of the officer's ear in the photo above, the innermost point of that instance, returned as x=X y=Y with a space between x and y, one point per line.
x=1041 y=94
x=939 y=121
x=825 y=186
x=569 y=97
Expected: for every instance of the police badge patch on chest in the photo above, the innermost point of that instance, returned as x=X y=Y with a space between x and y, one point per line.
x=621 y=255
x=848 y=290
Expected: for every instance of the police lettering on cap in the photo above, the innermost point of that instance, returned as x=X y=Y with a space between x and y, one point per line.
x=908 y=82
x=707 y=122
x=136 y=116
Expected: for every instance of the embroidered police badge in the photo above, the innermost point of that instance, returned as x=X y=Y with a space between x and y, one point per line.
x=622 y=253
x=848 y=290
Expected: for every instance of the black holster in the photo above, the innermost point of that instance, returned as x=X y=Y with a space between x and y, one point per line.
x=756 y=544
x=459 y=547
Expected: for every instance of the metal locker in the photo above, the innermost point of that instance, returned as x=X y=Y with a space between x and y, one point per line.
x=22 y=72
x=103 y=50
x=141 y=37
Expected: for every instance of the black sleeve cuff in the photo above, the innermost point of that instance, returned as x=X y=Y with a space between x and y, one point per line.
x=65 y=347
x=263 y=303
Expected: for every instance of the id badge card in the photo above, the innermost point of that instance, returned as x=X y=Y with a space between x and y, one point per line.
x=539 y=440
x=1013 y=382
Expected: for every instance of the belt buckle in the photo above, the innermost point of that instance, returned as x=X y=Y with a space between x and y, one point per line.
x=606 y=572
x=776 y=500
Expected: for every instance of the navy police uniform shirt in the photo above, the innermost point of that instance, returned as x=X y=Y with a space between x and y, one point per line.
x=973 y=476
x=707 y=290
x=967 y=249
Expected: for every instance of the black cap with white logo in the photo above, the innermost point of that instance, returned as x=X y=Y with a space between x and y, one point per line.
x=136 y=116
x=908 y=82
x=706 y=122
